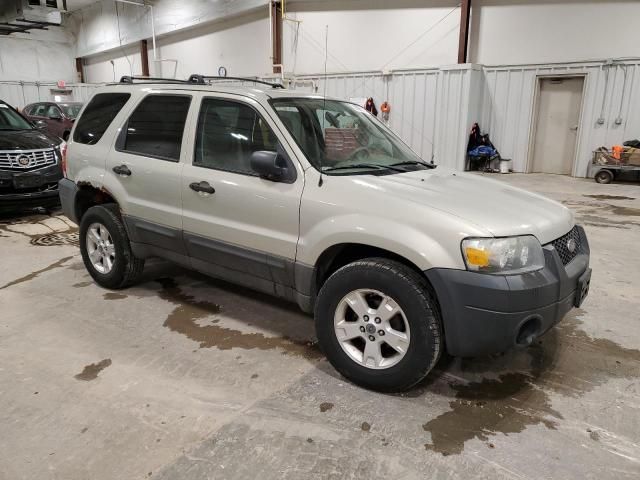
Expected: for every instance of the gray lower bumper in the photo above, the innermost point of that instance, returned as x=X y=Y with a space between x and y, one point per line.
x=485 y=314
x=68 y=191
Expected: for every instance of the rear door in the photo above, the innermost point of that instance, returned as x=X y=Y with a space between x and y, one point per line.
x=246 y=226
x=145 y=165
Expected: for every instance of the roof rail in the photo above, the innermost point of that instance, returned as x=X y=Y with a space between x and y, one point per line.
x=202 y=80
x=141 y=79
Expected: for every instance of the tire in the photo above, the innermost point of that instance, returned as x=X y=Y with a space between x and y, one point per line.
x=409 y=291
x=65 y=136
x=604 y=176
x=125 y=267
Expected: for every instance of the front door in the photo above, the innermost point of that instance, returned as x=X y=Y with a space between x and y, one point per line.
x=554 y=147
x=146 y=167
x=240 y=227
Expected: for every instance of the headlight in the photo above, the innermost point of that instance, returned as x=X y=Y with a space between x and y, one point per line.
x=503 y=255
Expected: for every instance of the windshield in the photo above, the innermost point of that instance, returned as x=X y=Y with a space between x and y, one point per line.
x=12 y=120
x=71 y=110
x=344 y=138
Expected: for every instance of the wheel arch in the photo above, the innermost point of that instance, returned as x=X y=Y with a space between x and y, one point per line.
x=88 y=196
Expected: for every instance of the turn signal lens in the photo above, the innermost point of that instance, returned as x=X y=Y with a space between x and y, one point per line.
x=476 y=257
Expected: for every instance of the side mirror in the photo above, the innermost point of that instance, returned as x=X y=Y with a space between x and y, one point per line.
x=55 y=117
x=269 y=165
x=40 y=124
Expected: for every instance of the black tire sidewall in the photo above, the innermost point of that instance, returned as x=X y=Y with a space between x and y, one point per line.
x=116 y=276
x=419 y=309
x=607 y=177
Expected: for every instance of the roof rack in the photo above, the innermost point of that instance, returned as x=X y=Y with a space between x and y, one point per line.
x=202 y=80
x=141 y=79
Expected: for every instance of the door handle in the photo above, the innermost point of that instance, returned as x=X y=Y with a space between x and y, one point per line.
x=574 y=128
x=202 y=187
x=122 y=170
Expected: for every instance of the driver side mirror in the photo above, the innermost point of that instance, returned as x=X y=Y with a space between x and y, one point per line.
x=270 y=165
x=40 y=124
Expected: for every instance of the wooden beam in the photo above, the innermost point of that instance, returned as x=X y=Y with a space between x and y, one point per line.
x=80 y=69
x=144 y=58
x=463 y=42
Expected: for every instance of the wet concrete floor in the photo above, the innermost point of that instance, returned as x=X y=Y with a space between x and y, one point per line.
x=185 y=377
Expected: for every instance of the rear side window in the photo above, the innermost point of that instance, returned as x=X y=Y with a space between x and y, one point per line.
x=97 y=117
x=156 y=127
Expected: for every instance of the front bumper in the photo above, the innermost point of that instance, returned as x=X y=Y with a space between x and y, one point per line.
x=485 y=314
x=22 y=190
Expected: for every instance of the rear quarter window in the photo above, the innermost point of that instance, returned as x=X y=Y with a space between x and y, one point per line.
x=98 y=115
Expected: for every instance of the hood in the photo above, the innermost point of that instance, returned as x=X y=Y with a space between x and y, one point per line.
x=489 y=204
x=27 y=140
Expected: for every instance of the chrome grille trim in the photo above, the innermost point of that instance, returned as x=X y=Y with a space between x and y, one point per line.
x=37 y=158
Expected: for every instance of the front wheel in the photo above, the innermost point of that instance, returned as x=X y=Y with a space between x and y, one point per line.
x=378 y=323
x=105 y=248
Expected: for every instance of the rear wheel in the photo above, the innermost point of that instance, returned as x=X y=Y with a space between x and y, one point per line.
x=604 y=176
x=105 y=248
x=378 y=324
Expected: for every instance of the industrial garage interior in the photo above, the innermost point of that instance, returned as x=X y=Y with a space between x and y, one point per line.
x=501 y=230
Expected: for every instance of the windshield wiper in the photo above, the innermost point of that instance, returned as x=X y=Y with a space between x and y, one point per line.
x=363 y=165
x=414 y=162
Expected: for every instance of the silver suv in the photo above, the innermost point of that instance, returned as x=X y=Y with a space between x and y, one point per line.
x=314 y=200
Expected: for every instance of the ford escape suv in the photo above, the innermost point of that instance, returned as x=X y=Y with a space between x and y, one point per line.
x=315 y=201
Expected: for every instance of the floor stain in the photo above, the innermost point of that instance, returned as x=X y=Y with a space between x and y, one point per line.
x=188 y=311
x=90 y=372
x=82 y=284
x=325 y=406
x=609 y=197
x=33 y=275
x=365 y=427
x=566 y=361
x=114 y=296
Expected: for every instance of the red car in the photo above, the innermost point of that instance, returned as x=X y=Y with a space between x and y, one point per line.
x=58 y=117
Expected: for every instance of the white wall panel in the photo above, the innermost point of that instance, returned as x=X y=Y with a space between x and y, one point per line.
x=507 y=112
x=526 y=31
x=366 y=35
x=19 y=94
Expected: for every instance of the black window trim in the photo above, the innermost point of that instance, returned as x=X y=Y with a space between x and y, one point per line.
x=87 y=104
x=120 y=141
x=293 y=172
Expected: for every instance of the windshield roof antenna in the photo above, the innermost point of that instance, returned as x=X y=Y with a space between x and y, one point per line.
x=324 y=97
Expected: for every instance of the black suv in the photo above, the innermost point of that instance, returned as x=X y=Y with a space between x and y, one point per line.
x=30 y=163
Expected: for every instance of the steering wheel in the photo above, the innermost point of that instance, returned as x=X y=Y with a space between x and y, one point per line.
x=360 y=153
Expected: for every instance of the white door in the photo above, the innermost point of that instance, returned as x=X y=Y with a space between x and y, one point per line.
x=556 y=131
x=246 y=225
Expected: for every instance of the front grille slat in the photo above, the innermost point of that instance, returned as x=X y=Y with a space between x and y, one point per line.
x=562 y=245
x=10 y=160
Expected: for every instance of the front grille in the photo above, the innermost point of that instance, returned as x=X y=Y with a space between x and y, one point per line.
x=25 y=160
x=562 y=245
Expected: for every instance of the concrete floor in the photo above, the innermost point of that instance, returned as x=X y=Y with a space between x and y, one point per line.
x=183 y=377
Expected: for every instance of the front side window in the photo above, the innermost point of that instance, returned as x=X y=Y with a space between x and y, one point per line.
x=156 y=127
x=12 y=120
x=343 y=138
x=97 y=117
x=228 y=133
x=52 y=112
